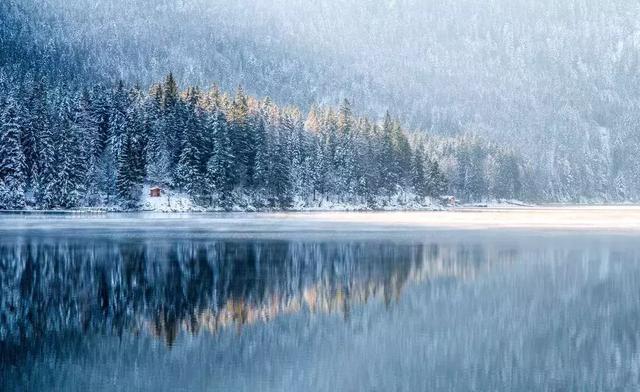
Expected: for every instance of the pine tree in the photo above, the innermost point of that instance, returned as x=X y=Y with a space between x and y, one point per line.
x=174 y=115
x=170 y=93
x=437 y=180
x=279 y=182
x=242 y=138
x=12 y=160
x=389 y=170
x=506 y=177
x=102 y=111
x=119 y=118
x=108 y=169
x=344 y=160
x=220 y=173
x=476 y=181
x=46 y=175
x=319 y=169
x=189 y=173
x=419 y=177
x=402 y=155
x=128 y=179
x=35 y=120
x=65 y=187
x=157 y=155
x=261 y=162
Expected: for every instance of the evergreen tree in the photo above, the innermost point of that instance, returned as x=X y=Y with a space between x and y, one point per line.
x=12 y=159
x=437 y=180
x=170 y=93
x=402 y=152
x=506 y=177
x=189 y=173
x=65 y=186
x=389 y=170
x=220 y=173
x=36 y=118
x=344 y=159
x=262 y=157
x=279 y=179
x=242 y=138
x=46 y=175
x=102 y=110
x=190 y=170
x=128 y=179
x=476 y=181
x=419 y=177
x=319 y=169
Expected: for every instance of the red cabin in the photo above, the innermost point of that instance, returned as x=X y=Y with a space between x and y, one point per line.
x=155 y=192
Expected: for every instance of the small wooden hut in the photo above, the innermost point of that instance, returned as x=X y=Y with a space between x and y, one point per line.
x=155 y=191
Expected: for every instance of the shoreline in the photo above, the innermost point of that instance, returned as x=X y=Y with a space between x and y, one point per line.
x=465 y=218
x=471 y=207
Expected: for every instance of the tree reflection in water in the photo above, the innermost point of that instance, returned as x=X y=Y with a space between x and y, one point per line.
x=117 y=287
x=145 y=312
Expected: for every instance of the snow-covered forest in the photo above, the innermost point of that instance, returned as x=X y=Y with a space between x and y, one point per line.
x=98 y=147
x=536 y=100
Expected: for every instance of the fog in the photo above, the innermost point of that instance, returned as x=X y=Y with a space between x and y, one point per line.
x=461 y=221
x=557 y=81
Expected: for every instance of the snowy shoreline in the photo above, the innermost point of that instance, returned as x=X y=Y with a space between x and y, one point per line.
x=189 y=208
x=182 y=208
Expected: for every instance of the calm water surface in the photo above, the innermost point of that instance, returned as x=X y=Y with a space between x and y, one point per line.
x=107 y=304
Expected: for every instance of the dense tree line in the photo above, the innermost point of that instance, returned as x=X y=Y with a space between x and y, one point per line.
x=65 y=148
x=555 y=81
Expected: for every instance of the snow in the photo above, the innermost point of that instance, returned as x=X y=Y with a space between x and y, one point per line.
x=169 y=201
x=180 y=202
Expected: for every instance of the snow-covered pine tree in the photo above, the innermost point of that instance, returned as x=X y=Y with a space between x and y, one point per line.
x=389 y=170
x=262 y=159
x=128 y=179
x=34 y=120
x=46 y=174
x=419 y=176
x=319 y=169
x=119 y=118
x=344 y=162
x=189 y=174
x=102 y=112
x=157 y=155
x=70 y=160
x=437 y=180
x=12 y=160
x=280 y=189
x=402 y=155
x=170 y=93
x=294 y=144
x=220 y=174
x=242 y=138
x=476 y=180
x=173 y=113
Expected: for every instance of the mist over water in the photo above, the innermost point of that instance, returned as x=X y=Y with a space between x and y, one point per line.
x=406 y=310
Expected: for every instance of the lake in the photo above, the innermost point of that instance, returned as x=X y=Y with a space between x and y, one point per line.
x=496 y=300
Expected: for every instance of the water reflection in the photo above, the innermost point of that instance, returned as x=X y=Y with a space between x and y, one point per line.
x=116 y=287
x=137 y=312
